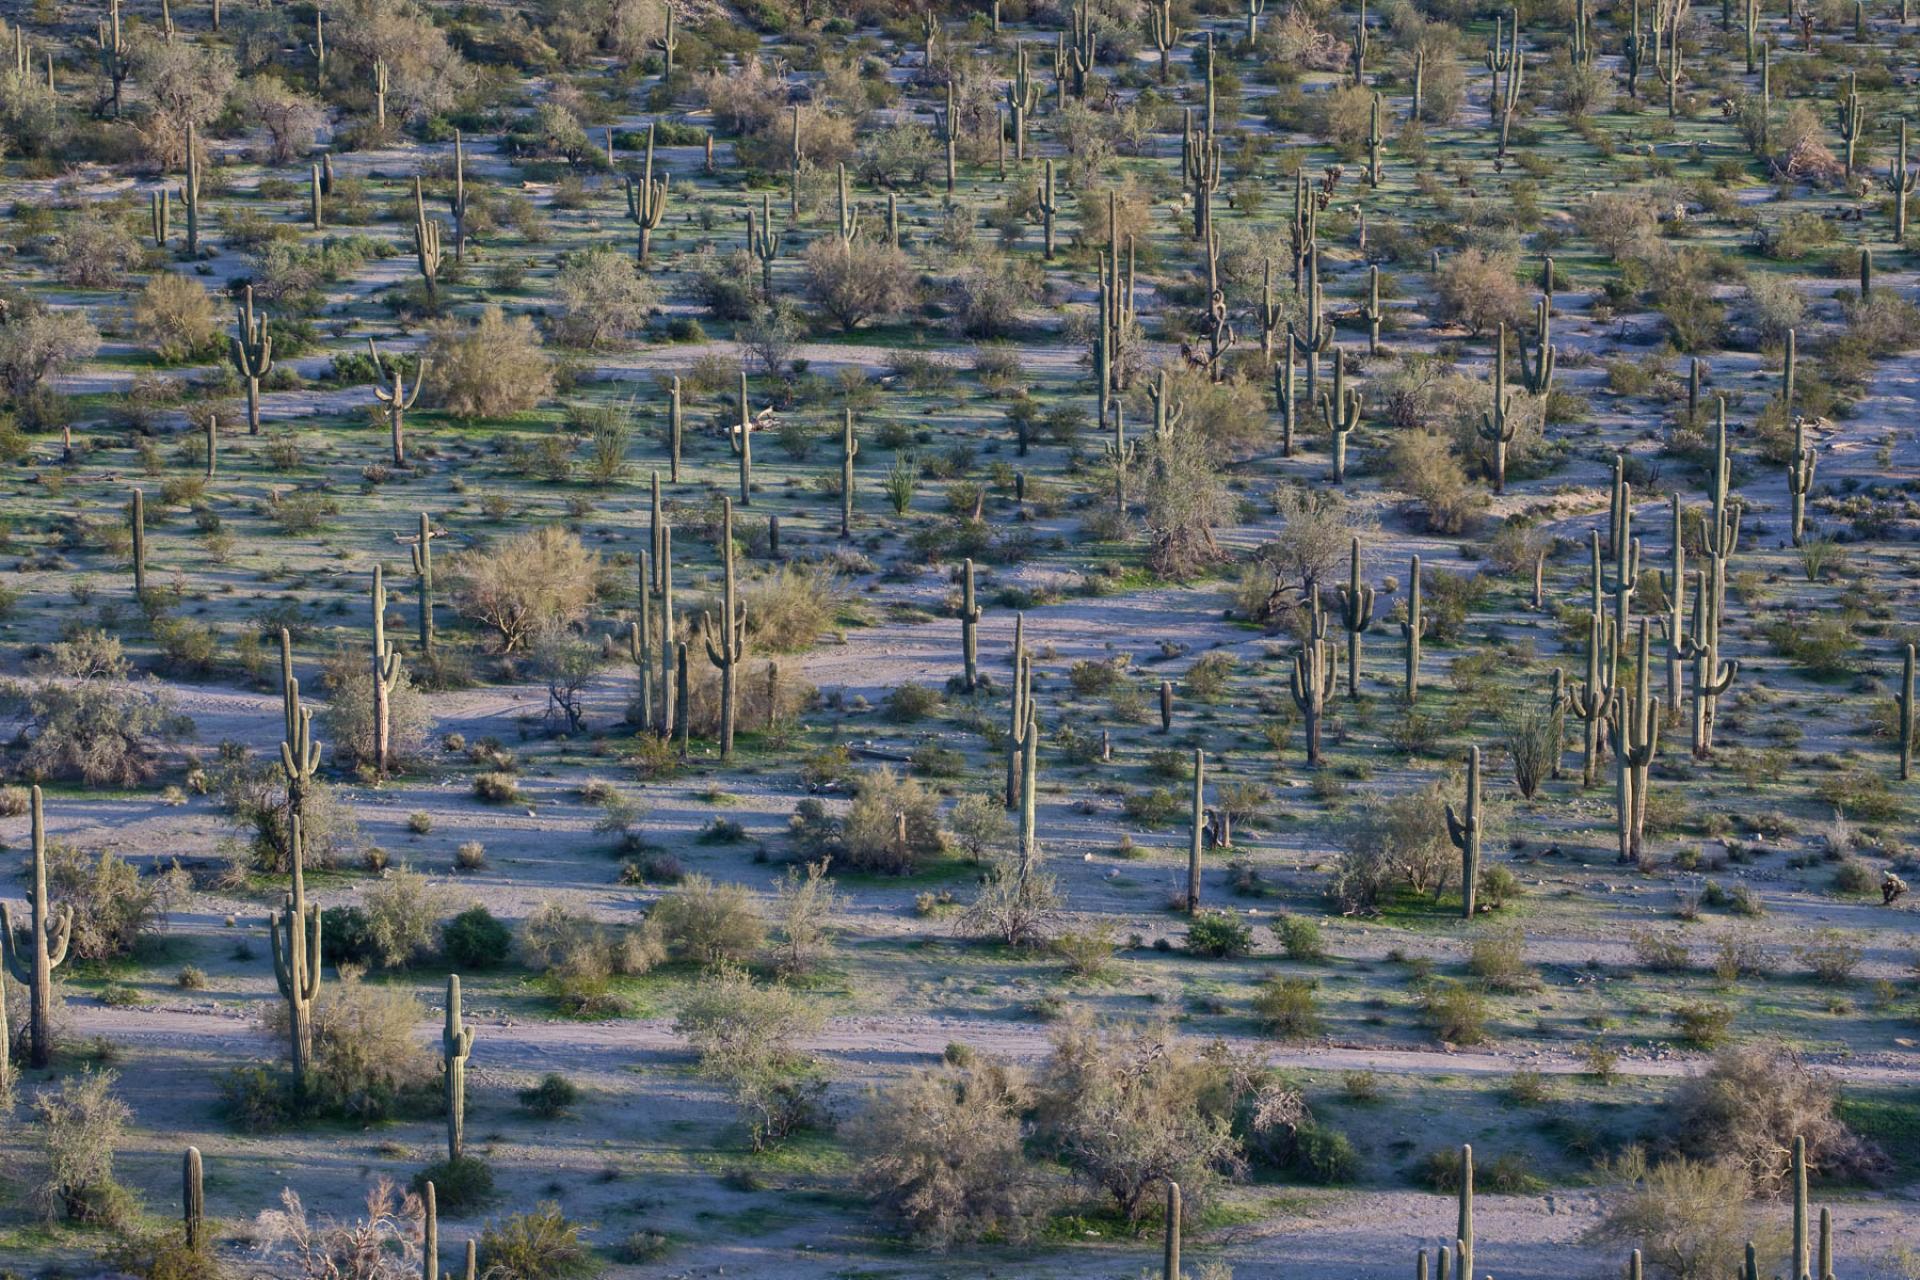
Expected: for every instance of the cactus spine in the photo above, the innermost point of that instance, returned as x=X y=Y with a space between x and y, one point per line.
x=1356 y=616
x=386 y=676
x=969 y=628
x=456 y=1046
x=1197 y=826
x=647 y=201
x=251 y=351
x=1464 y=830
x=193 y=1201
x=47 y=934
x=727 y=642
x=396 y=397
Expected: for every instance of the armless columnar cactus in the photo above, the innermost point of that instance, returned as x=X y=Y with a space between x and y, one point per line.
x=849 y=450
x=422 y=552
x=456 y=1046
x=386 y=676
x=295 y=931
x=193 y=1201
x=969 y=629
x=1498 y=425
x=1196 y=834
x=34 y=953
x=251 y=350
x=1412 y=630
x=137 y=527
x=1464 y=829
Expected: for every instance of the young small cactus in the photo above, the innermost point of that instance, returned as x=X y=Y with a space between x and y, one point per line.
x=1166 y=706
x=1464 y=830
x=46 y=935
x=456 y=1046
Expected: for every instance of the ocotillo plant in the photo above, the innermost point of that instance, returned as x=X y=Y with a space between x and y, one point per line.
x=849 y=450
x=137 y=530
x=1800 y=470
x=295 y=931
x=386 y=676
x=1340 y=411
x=1903 y=708
x=190 y=192
x=969 y=629
x=763 y=242
x=740 y=441
x=395 y=396
x=1464 y=829
x=48 y=932
x=422 y=554
x=647 y=201
x=457 y=198
x=1411 y=631
x=1636 y=740
x=1049 y=205
x=1356 y=617
x=426 y=245
x=251 y=351
x=456 y=1046
x=727 y=641
x=1196 y=831
x=193 y=1201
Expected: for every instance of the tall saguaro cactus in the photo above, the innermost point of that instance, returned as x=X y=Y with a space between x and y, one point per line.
x=456 y=1046
x=426 y=245
x=1340 y=410
x=763 y=242
x=190 y=192
x=1800 y=469
x=295 y=931
x=647 y=201
x=1464 y=829
x=969 y=629
x=1356 y=617
x=675 y=429
x=1900 y=182
x=396 y=397
x=386 y=676
x=422 y=552
x=1196 y=833
x=46 y=937
x=1020 y=714
x=1312 y=680
x=1411 y=630
x=1593 y=702
x=727 y=641
x=457 y=198
x=1170 y=1269
x=662 y=592
x=1498 y=425
x=849 y=450
x=251 y=350
x=1636 y=740
x=137 y=528
x=1463 y=1229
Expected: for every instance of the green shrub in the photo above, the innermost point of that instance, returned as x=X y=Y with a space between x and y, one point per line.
x=553 y=1097
x=542 y=1244
x=1300 y=938
x=1288 y=1007
x=1219 y=935
x=459 y=1186
x=475 y=939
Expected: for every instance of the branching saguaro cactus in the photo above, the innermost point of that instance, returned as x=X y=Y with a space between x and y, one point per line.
x=1510 y=63
x=190 y=192
x=1020 y=713
x=1537 y=364
x=1356 y=618
x=1197 y=829
x=45 y=939
x=456 y=1046
x=727 y=641
x=1029 y=784
x=1162 y=31
x=426 y=245
x=647 y=201
x=396 y=397
x=1464 y=829
x=668 y=43
x=1636 y=740
x=386 y=676
x=251 y=351
x=160 y=210
x=1315 y=335
x=457 y=198
x=1311 y=682
x=763 y=242
x=969 y=629
x=1412 y=629
x=1372 y=314
x=1023 y=95
x=1498 y=425
x=1593 y=702
x=116 y=55
x=1800 y=469
x=1340 y=411
x=1375 y=138
x=295 y=931
x=1900 y=182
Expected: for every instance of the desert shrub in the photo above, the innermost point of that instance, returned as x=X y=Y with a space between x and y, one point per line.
x=541 y=1244
x=1130 y=1107
x=1220 y=935
x=1498 y=958
x=857 y=282
x=80 y=1123
x=348 y=718
x=1396 y=840
x=102 y=732
x=941 y=1153
x=1015 y=906
x=909 y=702
x=366 y=1063
x=474 y=939
x=746 y=1035
x=1456 y=1012
x=174 y=315
x=384 y=1245
x=804 y=902
x=1831 y=956
x=1481 y=290
x=534 y=581
x=1703 y=1024
x=553 y=1097
x=38 y=342
x=403 y=916
x=460 y=1185
x=1689 y=1218
x=1747 y=1106
x=1300 y=938
x=113 y=906
x=1288 y=1007
x=788 y=609
x=492 y=368
x=709 y=922
x=603 y=299
x=870 y=832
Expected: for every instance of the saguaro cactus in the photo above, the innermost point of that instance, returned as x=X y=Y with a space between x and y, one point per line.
x=46 y=936
x=386 y=676
x=763 y=242
x=647 y=201
x=1162 y=31
x=1800 y=470
x=1536 y=368
x=668 y=43
x=1049 y=205
x=1594 y=700
x=193 y=1201
x=849 y=450
x=1852 y=121
x=1411 y=630
x=137 y=528
x=1464 y=830
x=1023 y=95
x=456 y=1046
x=674 y=429
x=727 y=641
x=740 y=441
x=1900 y=182
x=1510 y=62
x=1497 y=425
x=190 y=192
x=1636 y=739
x=1903 y=705
x=1356 y=616
x=295 y=931
x=1311 y=684
x=160 y=210
x=396 y=397
x=426 y=245
x=1020 y=712
x=251 y=351
x=1463 y=1231
x=1340 y=410
x=662 y=592
x=422 y=553
x=1197 y=828
x=1375 y=137
x=1170 y=1270
x=969 y=629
